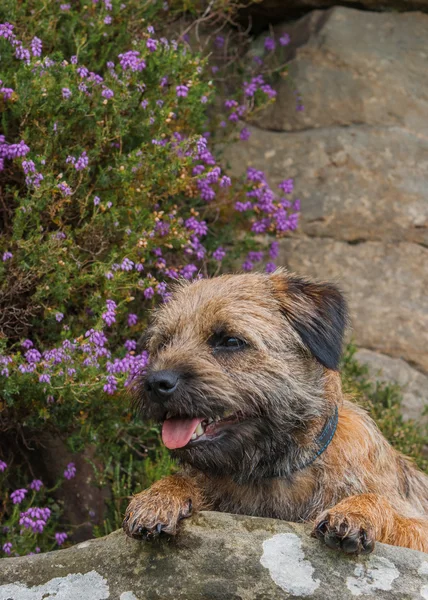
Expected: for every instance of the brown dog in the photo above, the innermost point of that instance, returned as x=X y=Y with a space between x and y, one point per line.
x=243 y=377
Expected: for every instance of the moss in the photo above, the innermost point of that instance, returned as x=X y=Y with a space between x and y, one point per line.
x=383 y=402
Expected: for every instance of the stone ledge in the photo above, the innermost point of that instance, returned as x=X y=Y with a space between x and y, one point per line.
x=216 y=556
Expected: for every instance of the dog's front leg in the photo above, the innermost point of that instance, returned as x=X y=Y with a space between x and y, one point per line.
x=355 y=523
x=161 y=507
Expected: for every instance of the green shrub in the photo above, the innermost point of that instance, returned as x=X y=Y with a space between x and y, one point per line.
x=109 y=190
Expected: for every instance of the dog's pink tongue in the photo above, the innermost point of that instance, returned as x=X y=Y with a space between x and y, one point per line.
x=176 y=433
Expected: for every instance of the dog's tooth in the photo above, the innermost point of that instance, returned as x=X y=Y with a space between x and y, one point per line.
x=210 y=420
x=199 y=430
x=194 y=436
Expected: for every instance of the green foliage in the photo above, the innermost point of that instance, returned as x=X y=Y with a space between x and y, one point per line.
x=383 y=403
x=108 y=192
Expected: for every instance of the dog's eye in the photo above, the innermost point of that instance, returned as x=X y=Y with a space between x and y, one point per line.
x=230 y=343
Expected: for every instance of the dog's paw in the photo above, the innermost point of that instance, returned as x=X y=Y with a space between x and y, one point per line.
x=150 y=514
x=344 y=532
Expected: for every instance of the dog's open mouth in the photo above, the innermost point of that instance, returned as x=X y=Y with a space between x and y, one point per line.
x=179 y=432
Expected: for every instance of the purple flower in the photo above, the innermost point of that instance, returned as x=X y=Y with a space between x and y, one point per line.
x=270 y=267
x=33 y=356
x=132 y=319
x=82 y=162
x=127 y=265
x=66 y=93
x=247 y=266
x=65 y=188
x=148 y=293
x=225 y=181
x=109 y=275
x=131 y=60
x=96 y=200
x=36 y=46
x=188 y=271
x=243 y=206
x=204 y=99
x=18 y=496
x=7 y=547
x=65 y=7
x=284 y=40
x=60 y=538
x=107 y=93
x=6 y=256
x=182 y=90
x=3 y=466
x=219 y=253
x=255 y=256
x=151 y=44
x=111 y=386
x=70 y=471
x=199 y=227
x=36 y=485
x=255 y=175
x=130 y=345
x=59 y=316
x=269 y=44
x=245 y=134
x=82 y=72
x=274 y=250
x=219 y=41
x=286 y=186
x=108 y=20
x=44 y=378
x=27 y=344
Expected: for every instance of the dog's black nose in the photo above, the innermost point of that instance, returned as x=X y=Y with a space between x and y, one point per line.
x=162 y=383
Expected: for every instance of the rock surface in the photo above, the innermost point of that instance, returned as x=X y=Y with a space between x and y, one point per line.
x=386 y=286
x=413 y=384
x=216 y=557
x=355 y=183
x=358 y=153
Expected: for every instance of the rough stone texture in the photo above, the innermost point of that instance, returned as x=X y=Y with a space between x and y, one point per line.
x=216 y=557
x=386 y=286
x=413 y=384
x=359 y=150
x=355 y=183
x=358 y=153
x=354 y=67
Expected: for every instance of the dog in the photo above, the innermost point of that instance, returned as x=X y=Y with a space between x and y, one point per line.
x=243 y=376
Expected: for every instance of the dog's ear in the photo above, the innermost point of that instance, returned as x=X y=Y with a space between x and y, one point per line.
x=318 y=313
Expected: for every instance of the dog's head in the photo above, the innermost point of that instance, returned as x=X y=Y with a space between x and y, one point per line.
x=237 y=366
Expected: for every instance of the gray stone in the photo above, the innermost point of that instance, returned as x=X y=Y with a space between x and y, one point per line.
x=354 y=183
x=386 y=286
x=215 y=557
x=353 y=67
x=413 y=384
x=359 y=150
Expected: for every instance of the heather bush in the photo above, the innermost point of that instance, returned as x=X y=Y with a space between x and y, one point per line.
x=109 y=190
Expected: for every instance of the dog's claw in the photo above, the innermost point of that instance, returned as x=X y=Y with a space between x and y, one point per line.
x=343 y=535
x=320 y=529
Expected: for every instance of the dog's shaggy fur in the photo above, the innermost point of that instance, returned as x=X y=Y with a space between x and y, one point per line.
x=266 y=348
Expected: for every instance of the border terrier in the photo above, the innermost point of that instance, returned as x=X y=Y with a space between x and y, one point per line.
x=243 y=376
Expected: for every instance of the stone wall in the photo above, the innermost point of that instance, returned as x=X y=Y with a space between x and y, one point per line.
x=359 y=155
x=216 y=557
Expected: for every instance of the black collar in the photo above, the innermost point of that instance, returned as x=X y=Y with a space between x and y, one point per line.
x=325 y=437
x=323 y=441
